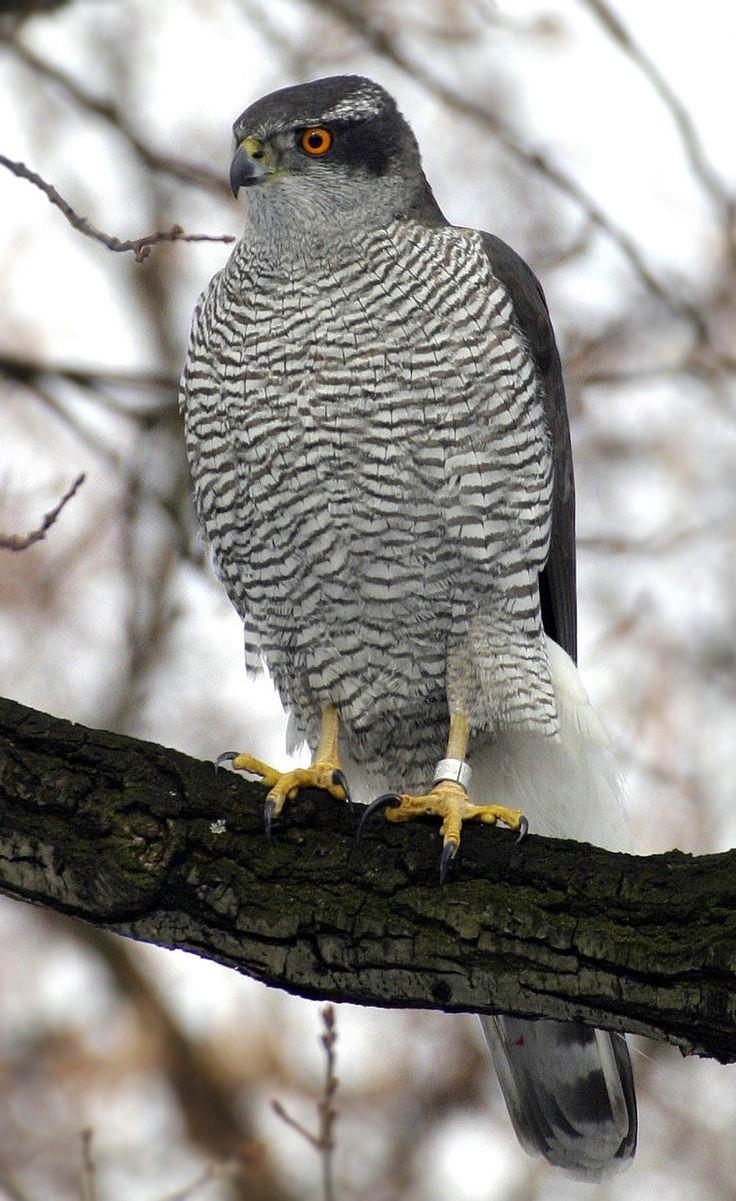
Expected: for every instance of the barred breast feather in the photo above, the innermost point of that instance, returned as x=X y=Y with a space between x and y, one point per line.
x=372 y=468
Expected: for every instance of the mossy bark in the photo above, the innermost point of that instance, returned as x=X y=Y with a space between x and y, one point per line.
x=152 y=844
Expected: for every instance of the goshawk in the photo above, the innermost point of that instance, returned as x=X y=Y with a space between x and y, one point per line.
x=378 y=437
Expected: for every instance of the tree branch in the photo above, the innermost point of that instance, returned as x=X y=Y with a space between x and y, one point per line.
x=149 y=843
x=23 y=541
x=140 y=247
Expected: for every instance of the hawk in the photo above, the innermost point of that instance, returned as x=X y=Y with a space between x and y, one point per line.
x=376 y=426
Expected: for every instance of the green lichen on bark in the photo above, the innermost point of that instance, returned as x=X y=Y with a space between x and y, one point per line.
x=145 y=841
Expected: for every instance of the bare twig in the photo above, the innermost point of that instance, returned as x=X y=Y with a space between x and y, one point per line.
x=326 y=1108
x=286 y=1117
x=173 y=506
x=140 y=247
x=87 y=1182
x=324 y=1140
x=22 y=542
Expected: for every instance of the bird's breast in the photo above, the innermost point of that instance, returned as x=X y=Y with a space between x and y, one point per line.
x=374 y=428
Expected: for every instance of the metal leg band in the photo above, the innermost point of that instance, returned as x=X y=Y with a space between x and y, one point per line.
x=456 y=770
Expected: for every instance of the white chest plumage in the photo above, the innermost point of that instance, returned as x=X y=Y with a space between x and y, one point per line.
x=372 y=469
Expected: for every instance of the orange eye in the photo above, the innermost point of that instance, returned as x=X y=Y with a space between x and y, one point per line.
x=315 y=141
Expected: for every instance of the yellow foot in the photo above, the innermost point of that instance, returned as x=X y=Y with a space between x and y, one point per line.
x=283 y=786
x=449 y=801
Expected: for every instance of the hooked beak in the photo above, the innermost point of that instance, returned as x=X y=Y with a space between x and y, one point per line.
x=249 y=165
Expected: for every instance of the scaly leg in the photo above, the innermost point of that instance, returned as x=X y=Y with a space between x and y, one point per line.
x=449 y=799
x=324 y=773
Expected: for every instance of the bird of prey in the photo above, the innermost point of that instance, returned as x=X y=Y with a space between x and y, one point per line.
x=377 y=432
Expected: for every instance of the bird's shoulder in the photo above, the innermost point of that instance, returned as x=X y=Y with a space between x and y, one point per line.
x=527 y=298
x=532 y=318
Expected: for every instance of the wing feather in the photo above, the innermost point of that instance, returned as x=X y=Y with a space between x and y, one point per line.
x=557 y=581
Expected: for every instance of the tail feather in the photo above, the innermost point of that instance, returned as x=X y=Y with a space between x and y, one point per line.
x=569 y=1091
x=567 y=786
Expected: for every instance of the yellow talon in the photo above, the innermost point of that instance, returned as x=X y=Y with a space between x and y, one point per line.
x=450 y=801
x=256 y=767
x=324 y=772
x=284 y=785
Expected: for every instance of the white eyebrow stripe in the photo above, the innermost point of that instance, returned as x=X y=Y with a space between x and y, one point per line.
x=365 y=102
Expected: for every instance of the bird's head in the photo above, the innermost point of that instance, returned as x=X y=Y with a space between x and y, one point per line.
x=334 y=155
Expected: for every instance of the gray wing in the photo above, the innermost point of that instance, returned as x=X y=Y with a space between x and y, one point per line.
x=557 y=581
x=569 y=1089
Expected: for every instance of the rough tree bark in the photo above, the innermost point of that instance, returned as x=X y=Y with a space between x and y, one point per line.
x=160 y=847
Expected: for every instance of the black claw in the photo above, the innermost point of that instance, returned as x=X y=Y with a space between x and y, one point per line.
x=226 y=757
x=389 y=800
x=523 y=829
x=338 y=777
x=449 y=851
x=268 y=809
